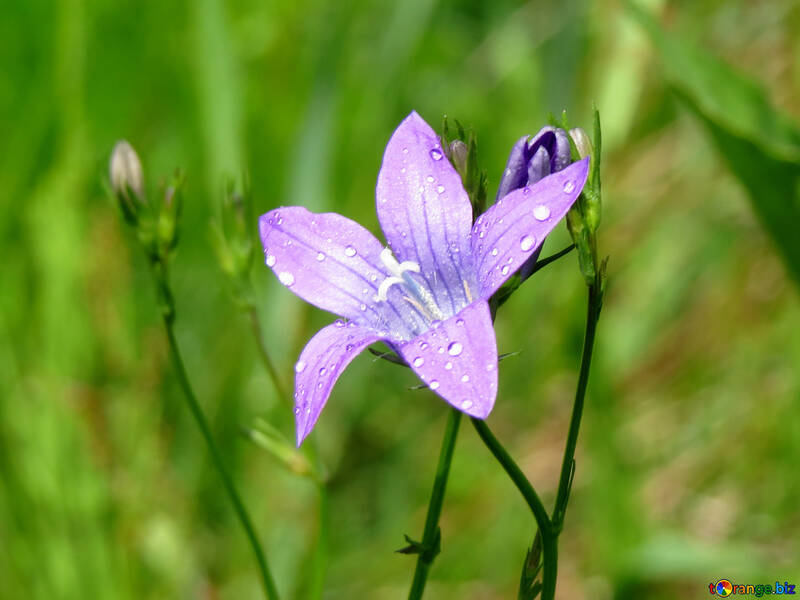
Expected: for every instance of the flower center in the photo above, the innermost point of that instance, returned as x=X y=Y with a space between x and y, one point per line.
x=417 y=295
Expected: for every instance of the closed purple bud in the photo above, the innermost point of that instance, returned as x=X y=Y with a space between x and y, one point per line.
x=538 y=166
x=515 y=175
x=533 y=159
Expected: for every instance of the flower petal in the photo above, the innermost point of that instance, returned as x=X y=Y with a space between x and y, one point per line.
x=319 y=366
x=331 y=262
x=425 y=212
x=511 y=230
x=458 y=359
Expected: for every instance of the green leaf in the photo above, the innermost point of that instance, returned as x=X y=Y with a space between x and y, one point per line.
x=760 y=145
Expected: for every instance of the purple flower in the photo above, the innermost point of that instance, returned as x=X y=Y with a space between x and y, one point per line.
x=425 y=295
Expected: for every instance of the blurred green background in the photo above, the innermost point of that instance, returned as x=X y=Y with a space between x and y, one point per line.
x=687 y=462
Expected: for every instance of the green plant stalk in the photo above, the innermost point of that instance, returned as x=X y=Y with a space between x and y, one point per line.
x=549 y=535
x=255 y=325
x=268 y=583
x=319 y=560
x=550 y=571
x=430 y=535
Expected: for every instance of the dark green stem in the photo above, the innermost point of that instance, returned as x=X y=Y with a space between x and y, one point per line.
x=541 y=264
x=549 y=535
x=431 y=535
x=270 y=590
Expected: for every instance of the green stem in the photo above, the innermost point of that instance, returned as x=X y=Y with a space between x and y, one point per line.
x=431 y=534
x=567 y=465
x=549 y=535
x=255 y=325
x=541 y=264
x=320 y=558
x=270 y=590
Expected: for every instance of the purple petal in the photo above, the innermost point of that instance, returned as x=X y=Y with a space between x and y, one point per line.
x=458 y=359
x=329 y=261
x=515 y=175
x=539 y=166
x=319 y=366
x=506 y=234
x=425 y=212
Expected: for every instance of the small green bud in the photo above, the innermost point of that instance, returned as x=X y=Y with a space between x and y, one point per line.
x=582 y=141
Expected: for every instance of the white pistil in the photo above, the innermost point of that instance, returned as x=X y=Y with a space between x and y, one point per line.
x=423 y=300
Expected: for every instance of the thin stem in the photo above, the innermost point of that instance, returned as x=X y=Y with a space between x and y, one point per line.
x=541 y=264
x=255 y=325
x=270 y=590
x=549 y=535
x=429 y=547
x=320 y=559
x=567 y=466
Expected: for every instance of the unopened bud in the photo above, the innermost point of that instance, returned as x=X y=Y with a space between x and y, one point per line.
x=581 y=141
x=458 y=155
x=125 y=170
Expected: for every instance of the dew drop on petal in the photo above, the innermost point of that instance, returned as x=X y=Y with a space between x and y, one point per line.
x=541 y=212
x=349 y=347
x=286 y=278
x=320 y=256
x=271 y=260
x=405 y=150
x=423 y=345
x=504 y=270
x=527 y=243
x=455 y=348
x=465 y=378
x=322 y=371
x=363 y=307
x=495 y=251
x=440 y=189
x=441 y=350
x=466 y=404
x=436 y=154
x=568 y=187
x=490 y=367
x=430 y=179
x=299 y=366
x=448 y=365
x=460 y=322
x=297 y=410
x=319 y=385
x=419 y=361
x=349 y=251
x=434 y=385
x=338 y=323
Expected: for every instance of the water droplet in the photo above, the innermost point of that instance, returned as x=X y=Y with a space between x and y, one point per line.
x=423 y=345
x=490 y=367
x=320 y=256
x=541 y=213
x=338 y=323
x=494 y=251
x=296 y=409
x=363 y=307
x=349 y=251
x=434 y=385
x=271 y=260
x=430 y=179
x=568 y=187
x=510 y=259
x=441 y=350
x=448 y=365
x=454 y=349
x=460 y=322
x=286 y=278
x=322 y=371
x=465 y=378
x=405 y=150
x=504 y=270
x=299 y=366
x=440 y=189
x=466 y=404
x=527 y=243
x=419 y=361
x=436 y=154
x=349 y=347
x=526 y=190
x=319 y=385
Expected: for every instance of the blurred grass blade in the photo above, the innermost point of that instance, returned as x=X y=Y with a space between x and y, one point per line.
x=759 y=144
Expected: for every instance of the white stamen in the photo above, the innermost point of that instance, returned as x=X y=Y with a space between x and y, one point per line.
x=466 y=291
x=384 y=287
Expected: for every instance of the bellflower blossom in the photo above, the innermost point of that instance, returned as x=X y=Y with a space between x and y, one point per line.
x=425 y=295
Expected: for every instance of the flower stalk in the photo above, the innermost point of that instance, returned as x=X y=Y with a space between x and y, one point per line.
x=156 y=226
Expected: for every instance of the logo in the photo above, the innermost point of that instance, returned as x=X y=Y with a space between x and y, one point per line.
x=725 y=588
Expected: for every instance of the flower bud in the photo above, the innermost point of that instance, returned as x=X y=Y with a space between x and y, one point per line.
x=125 y=170
x=458 y=155
x=581 y=141
x=529 y=161
x=125 y=174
